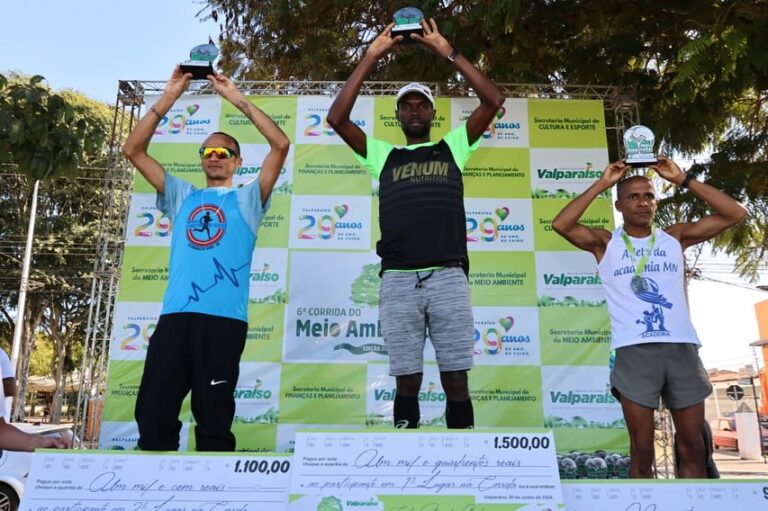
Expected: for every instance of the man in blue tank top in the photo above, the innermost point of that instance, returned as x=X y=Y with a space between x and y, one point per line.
x=202 y=328
x=642 y=270
x=424 y=284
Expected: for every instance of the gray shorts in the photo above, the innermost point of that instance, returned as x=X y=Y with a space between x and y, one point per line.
x=673 y=371
x=439 y=305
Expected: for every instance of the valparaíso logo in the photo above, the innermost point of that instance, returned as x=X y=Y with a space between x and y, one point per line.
x=264 y=275
x=578 y=398
x=161 y=223
x=554 y=279
x=206 y=226
x=255 y=392
x=246 y=170
x=556 y=174
x=429 y=395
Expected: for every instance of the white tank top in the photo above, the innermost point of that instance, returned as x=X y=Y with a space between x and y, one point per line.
x=651 y=307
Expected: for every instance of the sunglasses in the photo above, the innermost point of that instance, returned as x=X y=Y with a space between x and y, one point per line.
x=221 y=153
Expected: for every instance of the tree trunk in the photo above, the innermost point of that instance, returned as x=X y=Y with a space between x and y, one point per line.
x=32 y=321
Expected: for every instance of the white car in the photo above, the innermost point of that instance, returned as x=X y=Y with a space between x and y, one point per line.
x=14 y=465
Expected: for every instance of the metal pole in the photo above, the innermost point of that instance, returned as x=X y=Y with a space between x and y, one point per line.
x=17 y=331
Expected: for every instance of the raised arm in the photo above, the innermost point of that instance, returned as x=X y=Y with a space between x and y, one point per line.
x=338 y=114
x=276 y=138
x=135 y=147
x=727 y=211
x=491 y=98
x=567 y=225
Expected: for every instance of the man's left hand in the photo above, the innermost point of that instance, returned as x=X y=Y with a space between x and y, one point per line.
x=668 y=169
x=433 y=39
x=223 y=85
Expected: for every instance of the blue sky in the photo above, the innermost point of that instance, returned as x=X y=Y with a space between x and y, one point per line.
x=99 y=42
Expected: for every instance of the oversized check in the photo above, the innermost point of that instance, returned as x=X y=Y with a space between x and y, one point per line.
x=412 y=469
x=126 y=481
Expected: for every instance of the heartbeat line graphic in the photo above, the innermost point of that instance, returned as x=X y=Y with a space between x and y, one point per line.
x=221 y=274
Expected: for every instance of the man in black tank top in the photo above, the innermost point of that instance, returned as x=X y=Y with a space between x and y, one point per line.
x=423 y=246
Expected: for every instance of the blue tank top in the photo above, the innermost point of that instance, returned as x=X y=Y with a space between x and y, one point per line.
x=214 y=234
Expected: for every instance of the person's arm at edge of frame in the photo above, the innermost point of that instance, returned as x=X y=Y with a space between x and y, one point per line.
x=567 y=225
x=338 y=114
x=137 y=143
x=491 y=98
x=727 y=210
x=13 y=439
x=277 y=139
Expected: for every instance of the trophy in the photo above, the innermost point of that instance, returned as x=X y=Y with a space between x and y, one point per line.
x=638 y=142
x=407 y=22
x=200 y=62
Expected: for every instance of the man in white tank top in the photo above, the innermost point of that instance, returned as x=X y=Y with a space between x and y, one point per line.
x=642 y=270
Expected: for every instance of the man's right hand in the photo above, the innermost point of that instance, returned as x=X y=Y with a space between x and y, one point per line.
x=614 y=173
x=178 y=83
x=383 y=43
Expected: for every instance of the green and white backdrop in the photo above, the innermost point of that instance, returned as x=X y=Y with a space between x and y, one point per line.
x=314 y=354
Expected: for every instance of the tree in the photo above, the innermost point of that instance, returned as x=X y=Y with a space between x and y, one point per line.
x=700 y=69
x=44 y=134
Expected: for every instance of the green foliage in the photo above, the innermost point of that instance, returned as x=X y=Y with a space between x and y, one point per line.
x=45 y=133
x=700 y=69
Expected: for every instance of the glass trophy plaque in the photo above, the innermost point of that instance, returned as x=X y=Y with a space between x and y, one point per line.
x=200 y=62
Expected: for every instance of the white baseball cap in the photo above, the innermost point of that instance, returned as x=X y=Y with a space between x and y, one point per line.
x=416 y=87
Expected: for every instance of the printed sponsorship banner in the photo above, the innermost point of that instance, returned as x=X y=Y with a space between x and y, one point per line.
x=323 y=222
x=572 y=336
x=501 y=393
x=336 y=319
x=499 y=224
x=498 y=172
x=579 y=397
x=253 y=155
x=133 y=324
x=598 y=215
x=180 y=160
x=257 y=393
x=274 y=225
x=502 y=278
x=507 y=336
x=122 y=387
x=144 y=274
x=324 y=170
x=381 y=396
x=568 y=279
x=565 y=173
x=334 y=392
x=190 y=119
x=312 y=128
x=264 y=340
x=147 y=226
x=281 y=109
x=315 y=353
x=387 y=126
x=508 y=129
x=123 y=436
x=578 y=123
